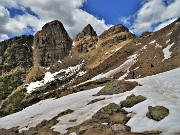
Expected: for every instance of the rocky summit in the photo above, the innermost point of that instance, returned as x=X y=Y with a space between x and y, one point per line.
x=115 y=83
x=51 y=44
x=85 y=41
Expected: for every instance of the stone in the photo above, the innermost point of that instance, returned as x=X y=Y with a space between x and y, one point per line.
x=111 y=88
x=51 y=44
x=132 y=100
x=104 y=113
x=157 y=113
x=119 y=127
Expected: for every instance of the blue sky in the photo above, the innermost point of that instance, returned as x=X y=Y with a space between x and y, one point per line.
x=28 y=16
x=112 y=10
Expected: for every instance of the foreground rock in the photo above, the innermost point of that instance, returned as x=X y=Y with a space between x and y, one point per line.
x=111 y=113
x=157 y=113
x=116 y=87
x=132 y=100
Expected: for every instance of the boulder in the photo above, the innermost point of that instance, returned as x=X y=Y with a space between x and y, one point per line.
x=104 y=113
x=132 y=100
x=157 y=113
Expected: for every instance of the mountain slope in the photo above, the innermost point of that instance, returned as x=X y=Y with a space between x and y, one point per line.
x=76 y=92
x=16 y=52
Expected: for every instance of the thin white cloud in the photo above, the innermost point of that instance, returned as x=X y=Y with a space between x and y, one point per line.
x=153 y=12
x=164 y=24
x=68 y=12
x=126 y=20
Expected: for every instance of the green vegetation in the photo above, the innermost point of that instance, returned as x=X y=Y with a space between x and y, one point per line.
x=132 y=100
x=157 y=113
x=9 y=105
x=16 y=52
x=10 y=82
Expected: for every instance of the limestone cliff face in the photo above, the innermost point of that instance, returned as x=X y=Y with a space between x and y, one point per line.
x=51 y=44
x=86 y=39
x=115 y=35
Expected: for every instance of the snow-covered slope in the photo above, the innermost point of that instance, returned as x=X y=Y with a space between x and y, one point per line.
x=161 y=89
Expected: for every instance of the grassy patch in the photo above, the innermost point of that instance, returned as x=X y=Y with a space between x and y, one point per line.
x=9 y=105
x=10 y=82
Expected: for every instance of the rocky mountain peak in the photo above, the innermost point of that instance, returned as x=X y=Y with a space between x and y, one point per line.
x=87 y=31
x=114 y=30
x=115 y=35
x=51 y=44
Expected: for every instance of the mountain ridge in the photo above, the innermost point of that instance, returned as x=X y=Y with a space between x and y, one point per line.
x=112 y=65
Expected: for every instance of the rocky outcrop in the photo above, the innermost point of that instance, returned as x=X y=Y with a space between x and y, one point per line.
x=86 y=39
x=51 y=44
x=16 y=52
x=157 y=113
x=132 y=100
x=115 y=35
x=87 y=31
x=175 y=39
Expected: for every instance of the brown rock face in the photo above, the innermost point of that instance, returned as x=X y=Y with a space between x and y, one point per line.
x=115 y=35
x=86 y=39
x=175 y=39
x=87 y=31
x=51 y=44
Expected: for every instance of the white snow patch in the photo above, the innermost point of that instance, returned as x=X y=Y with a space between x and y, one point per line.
x=168 y=41
x=81 y=73
x=73 y=133
x=136 y=68
x=158 y=46
x=152 y=42
x=32 y=47
x=47 y=78
x=96 y=45
x=123 y=68
x=138 y=44
x=144 y=48
x=106 y=53
x=161 y=89
x=138 y=76
x=59 y=61
x=48 y=68
x=73 y=44
x=51 y=76
x=167 y=53
x=48 y=109
x=169 y=33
